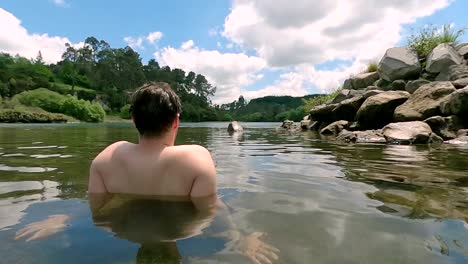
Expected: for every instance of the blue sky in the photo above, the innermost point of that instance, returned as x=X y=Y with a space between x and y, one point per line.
x=250 y=47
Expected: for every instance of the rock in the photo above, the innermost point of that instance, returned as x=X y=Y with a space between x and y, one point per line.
x=335 y=128
x=460 y=83
x=456 y=104
x=377 y=110
x=453 y=72
x=462 y=132
x=399 y=63
x=361 y=81
x=342 y=95
x=424 y=102
x=287 y=124
x=368 y=136
x=348 y=84
x=398 y=85
x=373 y=88
x=405 y=133
x=235 y=126
x=305 y=124
x=315 y=125
x=412 y=86
x=347 y=109
x=463 y=50
x=445 y=127
x=458 y=141
x=322 y=112
x=383 y=84
x=371 y=93
x=443 y=56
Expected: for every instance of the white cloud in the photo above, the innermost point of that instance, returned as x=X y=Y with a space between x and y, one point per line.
x=15 y=39
x=154 y=37
x=134 y=43
x=227 y=71
x=291 y=83
x=302 y=34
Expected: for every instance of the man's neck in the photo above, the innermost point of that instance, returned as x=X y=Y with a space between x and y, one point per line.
x=156 y=142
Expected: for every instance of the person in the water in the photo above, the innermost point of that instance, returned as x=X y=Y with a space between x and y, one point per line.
x=154 y=166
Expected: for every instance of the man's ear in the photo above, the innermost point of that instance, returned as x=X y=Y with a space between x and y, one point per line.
x=176 y=122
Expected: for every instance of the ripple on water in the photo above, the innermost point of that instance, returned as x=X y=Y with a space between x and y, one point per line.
x=38 y=147
x=14 y=155
x=26 y=169
x=45 y=156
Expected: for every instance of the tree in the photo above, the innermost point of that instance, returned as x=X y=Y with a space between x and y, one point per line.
x=39 y=59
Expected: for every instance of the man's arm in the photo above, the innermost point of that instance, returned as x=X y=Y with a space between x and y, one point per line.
x=96 y=183
x=204 y=184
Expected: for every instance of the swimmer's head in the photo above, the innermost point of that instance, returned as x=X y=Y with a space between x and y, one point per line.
x=155 y=109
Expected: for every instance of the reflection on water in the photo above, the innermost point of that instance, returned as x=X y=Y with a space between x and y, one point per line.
x=319 y=202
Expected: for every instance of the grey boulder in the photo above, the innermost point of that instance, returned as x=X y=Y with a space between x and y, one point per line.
x=456 y=104
x=460 y=83
x=399 y=63
x=453 y=72
x=377 y=110
x=463 y=50
x=424 y=102
x=234 y=126
x=407 y=133
x=445 y=127
x=368 y=136
x=335 y=128
x=441 y=57
x=412 y=86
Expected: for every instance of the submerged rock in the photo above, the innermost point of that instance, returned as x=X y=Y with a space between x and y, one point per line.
x=305 y=124
x=335 y=128
x=399 y=63
x=445 y=127
x=377 y=110
x=458 y=141
x=412 y=86
x=456 y=103
x=234 y=126
x=424 y=102
x=287 y=124
x=407 y=133
x=368 y=136
x=441 y=57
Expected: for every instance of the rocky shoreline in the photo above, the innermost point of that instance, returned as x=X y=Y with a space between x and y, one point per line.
x=408 y=100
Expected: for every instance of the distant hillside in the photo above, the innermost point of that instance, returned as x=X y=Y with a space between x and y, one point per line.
x=267 y=109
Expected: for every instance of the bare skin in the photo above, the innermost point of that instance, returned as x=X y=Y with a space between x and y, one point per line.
x=154 y=166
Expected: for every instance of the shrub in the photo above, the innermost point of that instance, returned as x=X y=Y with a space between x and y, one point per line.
x=372 y=67
x=125 y=112
x=23 y=116
x=319 y=100
x=57 y=103
x=428 y=37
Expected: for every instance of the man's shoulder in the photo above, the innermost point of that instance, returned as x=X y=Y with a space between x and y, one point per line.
x=110 y=150
x=191 y=155
x=189 y=150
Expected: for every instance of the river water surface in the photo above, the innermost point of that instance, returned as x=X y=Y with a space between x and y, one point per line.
x=317 y=201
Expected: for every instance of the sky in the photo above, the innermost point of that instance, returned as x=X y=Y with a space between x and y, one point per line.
x=252 y=48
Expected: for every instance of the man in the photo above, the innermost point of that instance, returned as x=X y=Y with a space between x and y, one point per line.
x=154 y=166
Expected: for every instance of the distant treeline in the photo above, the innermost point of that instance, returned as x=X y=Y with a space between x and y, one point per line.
x=107 y=76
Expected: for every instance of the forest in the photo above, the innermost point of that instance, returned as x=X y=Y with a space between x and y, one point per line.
x=96 y=79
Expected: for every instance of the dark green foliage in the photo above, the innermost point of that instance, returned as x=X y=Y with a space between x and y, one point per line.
x=81 y=93
x=23 y=116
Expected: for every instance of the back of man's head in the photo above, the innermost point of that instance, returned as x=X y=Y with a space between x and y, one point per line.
x=154 y=108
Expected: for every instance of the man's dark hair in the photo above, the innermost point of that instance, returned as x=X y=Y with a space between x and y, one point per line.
x=154 y=107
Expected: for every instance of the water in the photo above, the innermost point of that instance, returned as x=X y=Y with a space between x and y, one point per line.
x=318 y=202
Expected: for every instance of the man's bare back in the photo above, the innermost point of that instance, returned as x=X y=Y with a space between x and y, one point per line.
x=151 y=168
x=154 y=166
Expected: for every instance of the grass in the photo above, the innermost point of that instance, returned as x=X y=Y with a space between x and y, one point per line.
x=430 y=36
x=372 y=67
x=319 y=100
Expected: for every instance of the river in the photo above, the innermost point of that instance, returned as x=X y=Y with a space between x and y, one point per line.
x=316 y=200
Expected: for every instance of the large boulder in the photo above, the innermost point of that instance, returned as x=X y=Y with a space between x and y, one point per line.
x=361 y=81
x=458 y=141
x=441 y=57
x=407 y=133
x=456 y=104
x=399 y=85
x=463 y=50
x=347 y=109
x=399 y=63
x=377 y=110
x=234 y=126
x=368 y=136
x=335 y=128
x=305 y=124
x=424 y=102
x=445 y=127
x=322 y=112
x=453 y=72
x=412 y=86
x=344 y=94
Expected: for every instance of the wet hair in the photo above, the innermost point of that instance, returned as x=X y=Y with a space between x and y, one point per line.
x=154 y=107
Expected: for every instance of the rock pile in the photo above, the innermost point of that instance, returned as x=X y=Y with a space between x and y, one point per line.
x=403 y=102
